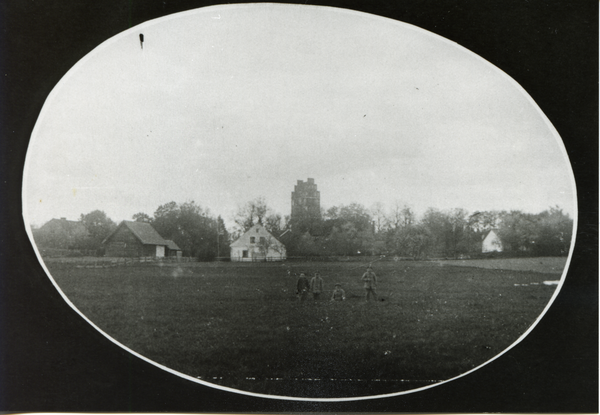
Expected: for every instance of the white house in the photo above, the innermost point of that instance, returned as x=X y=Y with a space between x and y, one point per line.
x=491 y=242
x=256 y=245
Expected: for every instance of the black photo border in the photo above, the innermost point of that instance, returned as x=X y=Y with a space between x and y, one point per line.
x=52 y=360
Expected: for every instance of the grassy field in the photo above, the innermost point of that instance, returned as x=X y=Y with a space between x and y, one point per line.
x=241 y=325
x=550 y=265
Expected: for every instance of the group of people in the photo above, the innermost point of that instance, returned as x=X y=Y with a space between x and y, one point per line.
x=315 y=287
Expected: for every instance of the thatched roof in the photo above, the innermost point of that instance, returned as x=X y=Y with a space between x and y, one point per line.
x=172 y=245
x=143 y=231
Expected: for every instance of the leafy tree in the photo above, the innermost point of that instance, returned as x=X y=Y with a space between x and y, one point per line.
x=165 y=220
x=274 y=223
x=98 y=226
x=191 y=227
x=554 y=229
x=416 y=241
x=307 y=245
x=344 y=239
x=517 y=231
x=484 y=221
x=436 y=223
x=357 y=215
x=142 y=217
x=223 y=237
x=456 y=231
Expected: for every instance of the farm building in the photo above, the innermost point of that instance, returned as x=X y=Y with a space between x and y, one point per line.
x=491 y=242
x=172 y=249
x=257 y=245
x=137 y=239
x=60 y=233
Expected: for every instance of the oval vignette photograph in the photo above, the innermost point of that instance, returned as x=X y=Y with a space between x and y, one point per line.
x=299 y=202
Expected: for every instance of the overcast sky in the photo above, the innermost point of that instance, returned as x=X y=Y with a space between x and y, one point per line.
x=228 y=103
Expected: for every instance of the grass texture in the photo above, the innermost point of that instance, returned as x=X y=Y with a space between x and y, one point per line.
x=241 y=325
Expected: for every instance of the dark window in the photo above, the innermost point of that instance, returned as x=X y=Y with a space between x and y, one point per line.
x=262 y=240
x=244 y=254
x=252 y=239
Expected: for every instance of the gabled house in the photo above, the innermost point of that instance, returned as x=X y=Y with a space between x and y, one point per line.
x=491 y=242
x=136 y=239
x=257 y=245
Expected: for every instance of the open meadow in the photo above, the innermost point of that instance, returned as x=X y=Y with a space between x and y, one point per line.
x=241 y=325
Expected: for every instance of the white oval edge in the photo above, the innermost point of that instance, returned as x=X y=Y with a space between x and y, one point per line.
x=208 y=9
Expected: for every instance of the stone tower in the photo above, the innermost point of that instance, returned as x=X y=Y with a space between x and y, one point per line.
x=306 y=200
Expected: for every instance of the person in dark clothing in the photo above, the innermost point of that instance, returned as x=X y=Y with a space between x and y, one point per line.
x=302 y=287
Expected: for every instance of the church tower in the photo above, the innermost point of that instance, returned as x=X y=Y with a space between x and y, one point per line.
x=306 y=200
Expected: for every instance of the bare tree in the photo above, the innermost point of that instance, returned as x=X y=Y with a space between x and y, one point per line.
x=400 y=216
x=379 y=216
x=251 y=213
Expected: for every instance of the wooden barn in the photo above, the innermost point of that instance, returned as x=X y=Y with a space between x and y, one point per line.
x=491 y=242
x=257 y=245
x=136 y=239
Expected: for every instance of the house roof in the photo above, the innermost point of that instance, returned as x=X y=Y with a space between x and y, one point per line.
x=494 y=230
x=256 y=230
x=172 y=245
x=143 y=231
x=63 y=223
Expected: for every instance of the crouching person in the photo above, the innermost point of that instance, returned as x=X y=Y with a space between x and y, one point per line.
x=338 y=293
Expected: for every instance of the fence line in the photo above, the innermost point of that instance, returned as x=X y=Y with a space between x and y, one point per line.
x=109 y=262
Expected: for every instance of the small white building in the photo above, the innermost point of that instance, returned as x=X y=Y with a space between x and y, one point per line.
x=257 y=245
x=491 y=242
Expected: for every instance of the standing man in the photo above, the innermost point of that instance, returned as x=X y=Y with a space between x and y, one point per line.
x=370 y=280
x=316 y=286
x=302 y=287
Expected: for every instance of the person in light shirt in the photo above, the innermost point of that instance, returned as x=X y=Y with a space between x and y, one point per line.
x=370 y=280
x=316 y=286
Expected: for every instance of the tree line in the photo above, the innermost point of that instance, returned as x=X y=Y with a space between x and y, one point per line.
x=345 y=230
x=353 y=229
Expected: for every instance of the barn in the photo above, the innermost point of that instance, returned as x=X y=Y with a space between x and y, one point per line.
x=136 y=239
x=257 y=245
x=491 y=242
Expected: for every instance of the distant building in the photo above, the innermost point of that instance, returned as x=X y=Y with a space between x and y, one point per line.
x=306 y=200
x=60 y=234
x=491 y=242
x=257 y=245
x=137 y=239
x=172 y=249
